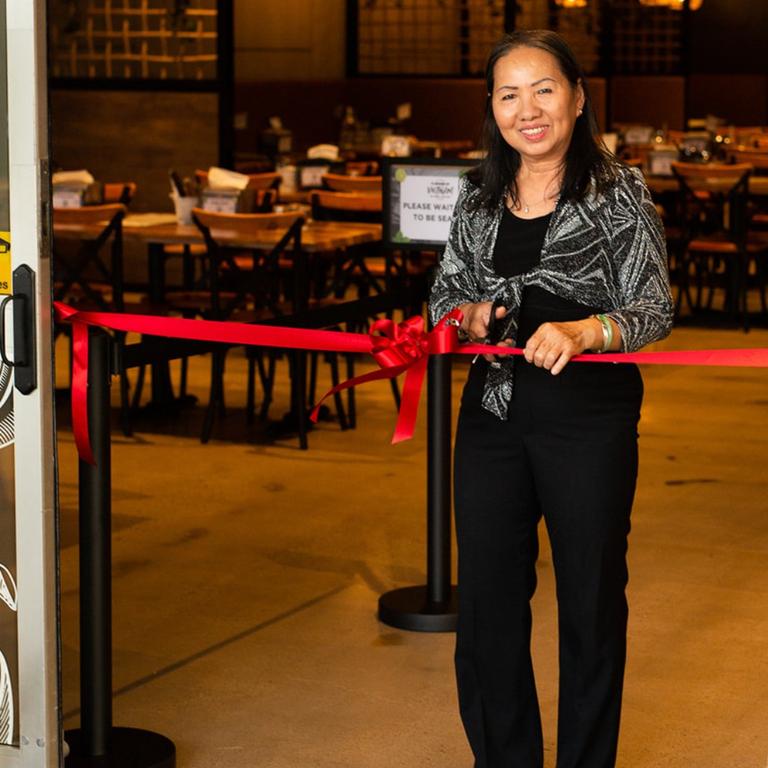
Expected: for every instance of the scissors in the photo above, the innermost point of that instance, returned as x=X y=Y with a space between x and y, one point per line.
x=490 y=337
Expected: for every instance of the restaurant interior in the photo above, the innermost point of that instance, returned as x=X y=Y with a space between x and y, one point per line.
x=228 y=160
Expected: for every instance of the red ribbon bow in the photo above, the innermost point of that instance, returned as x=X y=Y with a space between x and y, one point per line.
x=404 y=347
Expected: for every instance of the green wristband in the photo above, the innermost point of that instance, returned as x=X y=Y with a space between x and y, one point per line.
x=607 y=332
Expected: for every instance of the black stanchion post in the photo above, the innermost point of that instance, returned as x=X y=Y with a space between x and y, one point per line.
x=439 y=482
x=432 y=608
x=96 y=558
x=97 y=743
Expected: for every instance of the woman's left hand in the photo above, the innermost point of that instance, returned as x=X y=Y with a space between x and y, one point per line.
x=554 y=344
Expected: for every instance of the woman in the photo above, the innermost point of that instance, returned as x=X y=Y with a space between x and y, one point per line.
x=567 y=243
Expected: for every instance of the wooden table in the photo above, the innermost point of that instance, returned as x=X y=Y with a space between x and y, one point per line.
x=156 y=230
x=758 y=185
x=162 y=229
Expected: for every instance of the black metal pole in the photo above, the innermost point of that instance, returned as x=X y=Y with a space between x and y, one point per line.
x=686 y=59
x=464 y=38
x=439 y=479
x=225 y=74
x=97 y=744
x=607 y=56
x=163 y=399
x=510 y=15
x=432 y=608
x=352 y=65
x=95 y=559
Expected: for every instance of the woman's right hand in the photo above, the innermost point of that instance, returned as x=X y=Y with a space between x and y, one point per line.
x=476 y=319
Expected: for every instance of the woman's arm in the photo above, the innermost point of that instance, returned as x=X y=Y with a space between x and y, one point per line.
x=552 y=345
x=644 y=301
x=639 y=253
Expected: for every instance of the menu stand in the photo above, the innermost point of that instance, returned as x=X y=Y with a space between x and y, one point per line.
x=97 y=743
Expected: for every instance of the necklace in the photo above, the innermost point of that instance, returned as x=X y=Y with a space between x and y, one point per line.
x=546 y=197
x=526 y=207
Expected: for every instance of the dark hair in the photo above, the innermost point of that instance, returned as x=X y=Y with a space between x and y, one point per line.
x=586 y=159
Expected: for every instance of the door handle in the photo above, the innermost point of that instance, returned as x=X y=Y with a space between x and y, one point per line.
x=24 y=330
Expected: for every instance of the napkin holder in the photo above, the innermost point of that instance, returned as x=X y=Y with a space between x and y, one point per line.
x=310 y=172
x=660 y=160
x=227 y=200
x=76 y=194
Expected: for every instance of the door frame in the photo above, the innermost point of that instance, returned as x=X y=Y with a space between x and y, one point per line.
x=39 y=710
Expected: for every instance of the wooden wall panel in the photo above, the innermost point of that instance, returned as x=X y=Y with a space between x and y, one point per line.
x=598 y=89
x=650 y=100
x=134 y=136
x=442 y=108
x=740 y=99
x=289 y=39
x=310 y=108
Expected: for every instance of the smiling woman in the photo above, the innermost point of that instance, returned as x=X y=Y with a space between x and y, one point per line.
x=535 y=109
x=564 y=245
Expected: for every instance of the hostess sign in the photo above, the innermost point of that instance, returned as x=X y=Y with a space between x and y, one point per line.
x=419 y=197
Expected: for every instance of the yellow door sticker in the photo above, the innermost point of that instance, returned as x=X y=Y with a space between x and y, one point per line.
x=5 y=262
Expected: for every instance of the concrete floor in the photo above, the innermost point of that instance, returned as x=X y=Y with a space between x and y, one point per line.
x=246 y=575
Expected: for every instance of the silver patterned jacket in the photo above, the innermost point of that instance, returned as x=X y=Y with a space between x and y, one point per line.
x=605 y=251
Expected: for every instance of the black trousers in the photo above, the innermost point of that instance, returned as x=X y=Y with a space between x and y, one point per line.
x=568 y=452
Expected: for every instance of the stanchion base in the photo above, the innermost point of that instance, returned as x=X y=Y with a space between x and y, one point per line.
x=409 y=608
x=128 y=748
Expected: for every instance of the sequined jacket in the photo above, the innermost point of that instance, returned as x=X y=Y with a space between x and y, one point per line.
x=606 y=251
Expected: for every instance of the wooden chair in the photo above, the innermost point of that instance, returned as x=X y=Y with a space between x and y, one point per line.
x=264 y=186
x=340 y=183
x=362 y=267
x=757 y=158
x=368 y=270
x=87 y=279
x=361 y=167
x=247 y=283
x=714 y=244
x=346 y=206
x=757 y=218
x=119 y=192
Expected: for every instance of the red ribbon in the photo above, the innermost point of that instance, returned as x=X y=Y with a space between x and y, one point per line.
x=397 y=348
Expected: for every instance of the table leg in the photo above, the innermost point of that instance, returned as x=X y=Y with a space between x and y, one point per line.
x=162 y=388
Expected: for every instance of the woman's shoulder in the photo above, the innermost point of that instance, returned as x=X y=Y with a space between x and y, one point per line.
x=625 y=185
x=469 y=184
x=628 y=175
x=470 y=200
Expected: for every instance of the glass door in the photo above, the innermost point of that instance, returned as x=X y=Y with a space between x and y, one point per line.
x=29 y=708
x=9 y=644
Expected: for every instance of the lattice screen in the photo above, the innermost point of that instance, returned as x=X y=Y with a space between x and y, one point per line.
x=133 y=39
x=646 y=41
x=435 y=37
x=453 y=37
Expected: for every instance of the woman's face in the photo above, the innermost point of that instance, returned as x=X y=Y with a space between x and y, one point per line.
x=534 y=105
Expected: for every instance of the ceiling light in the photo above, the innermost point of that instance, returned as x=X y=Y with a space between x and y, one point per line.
x=677 y=5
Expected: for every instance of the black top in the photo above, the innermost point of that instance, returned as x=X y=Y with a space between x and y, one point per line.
x=518 y=244
x=518 y=250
